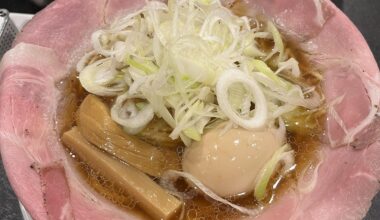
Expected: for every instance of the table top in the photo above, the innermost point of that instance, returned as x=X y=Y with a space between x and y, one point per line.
x=365 y=14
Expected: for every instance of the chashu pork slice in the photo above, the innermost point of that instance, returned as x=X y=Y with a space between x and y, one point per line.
x=340 y=187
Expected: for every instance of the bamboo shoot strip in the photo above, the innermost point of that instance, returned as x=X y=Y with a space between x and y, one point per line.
x=95 y=124
x=149 y=195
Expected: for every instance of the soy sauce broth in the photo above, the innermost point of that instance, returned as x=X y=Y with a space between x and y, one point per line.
x=304 y=141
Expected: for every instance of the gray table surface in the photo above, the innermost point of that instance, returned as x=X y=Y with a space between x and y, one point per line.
x=364 y=13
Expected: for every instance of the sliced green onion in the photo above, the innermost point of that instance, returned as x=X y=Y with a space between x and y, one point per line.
x=262 y=67
x=237 y=93
x=140 y=105
x=192 y=133
x=278 y=43
x=101 y=79
x=172 y=56
x=269 y=169
x=291 y=64
x=148 y=67
x=231 y=77
x=205 y=2
x=125 y=113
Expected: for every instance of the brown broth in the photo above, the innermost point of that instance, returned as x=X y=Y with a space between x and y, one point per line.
x=304 y=140
x=198 y=207
x=109 y=190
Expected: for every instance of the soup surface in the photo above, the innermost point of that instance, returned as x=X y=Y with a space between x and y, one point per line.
x=304 y=132
x=304 y=136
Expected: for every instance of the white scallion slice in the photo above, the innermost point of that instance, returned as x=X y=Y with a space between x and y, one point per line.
x=231 y=77
x=100 y=78
x=172 y=56
x=126 y=113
